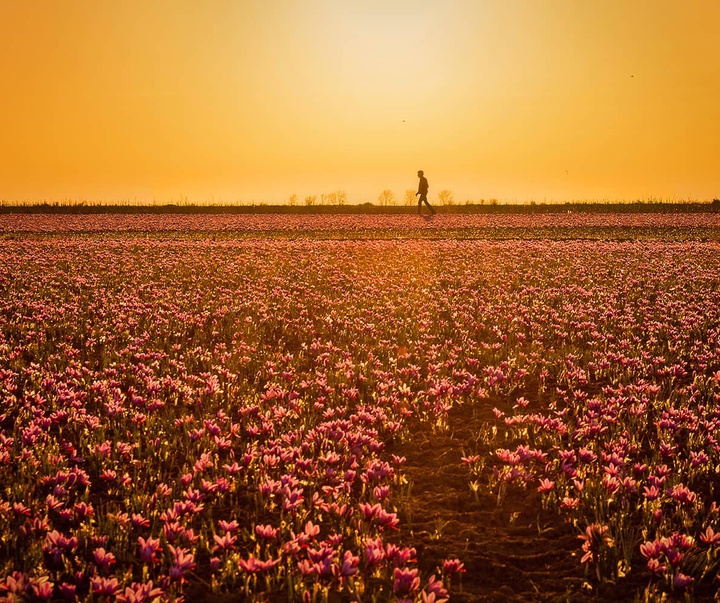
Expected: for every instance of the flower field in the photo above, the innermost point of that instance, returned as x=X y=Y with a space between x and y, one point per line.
x=217 y=408
x=684 y=226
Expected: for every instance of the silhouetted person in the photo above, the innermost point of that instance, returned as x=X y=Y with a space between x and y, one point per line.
x=422 y=191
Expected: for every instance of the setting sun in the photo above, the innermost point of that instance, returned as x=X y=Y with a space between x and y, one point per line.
x=255 y=101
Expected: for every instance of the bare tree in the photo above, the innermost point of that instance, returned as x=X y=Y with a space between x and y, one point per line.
x=409 y=198
x=445 y=197
x=341 y=197
x=292 y=200
x=310 y=200
x=387 y=197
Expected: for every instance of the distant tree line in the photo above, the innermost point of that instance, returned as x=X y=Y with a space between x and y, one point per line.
x=338 y=198
x=386 y=198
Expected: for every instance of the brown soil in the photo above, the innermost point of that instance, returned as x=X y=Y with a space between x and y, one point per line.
x=513 y=551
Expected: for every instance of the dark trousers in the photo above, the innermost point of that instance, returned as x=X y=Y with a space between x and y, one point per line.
x=423 y=198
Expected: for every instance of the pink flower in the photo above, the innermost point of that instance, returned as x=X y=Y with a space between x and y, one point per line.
x=652 y=549
x=656 y=567
x=546 y=485
x=682 y=494
x=406 y=581
x=183 y=562
x=103 y=559
x=68 y=591
x=20 y=510
x=43 y=590
x=387 y=520
x=253 y=565
x=325 y=551
x=307 y=568
x=400 y=556
x=16 y=583
x=434 y=591
x=140 y=593
x=52 y=503
x=311 y=530
x=56 y=544
x=453 y=566
x=104 y=586
x=228 y=526
x=224 y=543
x=232 y=469
x=594 y=538
x=381 y=492
x=370 y=511
x=570 y=504
x=709 y=536
x=267 y=532
x=149 y=550
x=374 y=551
x=681 y=581
x=651 y=492
x=348 y=566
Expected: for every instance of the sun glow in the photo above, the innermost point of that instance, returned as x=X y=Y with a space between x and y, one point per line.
x=534 y=99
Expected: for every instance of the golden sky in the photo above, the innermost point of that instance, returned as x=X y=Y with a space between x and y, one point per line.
x=259 y=99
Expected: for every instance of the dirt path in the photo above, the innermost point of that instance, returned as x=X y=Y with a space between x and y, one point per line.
x=506 y=555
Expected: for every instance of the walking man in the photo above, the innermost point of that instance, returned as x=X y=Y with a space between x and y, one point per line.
x=422 y=191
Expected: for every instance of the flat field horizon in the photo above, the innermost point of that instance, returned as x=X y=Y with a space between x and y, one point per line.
x=467 y=207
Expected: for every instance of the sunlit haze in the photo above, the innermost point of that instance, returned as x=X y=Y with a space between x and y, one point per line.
x=518 y=100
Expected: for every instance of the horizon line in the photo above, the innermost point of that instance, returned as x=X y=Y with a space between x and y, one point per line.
x=302 y=204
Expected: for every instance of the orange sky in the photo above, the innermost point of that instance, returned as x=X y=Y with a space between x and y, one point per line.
x=256 y=100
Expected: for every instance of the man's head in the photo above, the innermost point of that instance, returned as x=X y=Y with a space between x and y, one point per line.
x=420 y=173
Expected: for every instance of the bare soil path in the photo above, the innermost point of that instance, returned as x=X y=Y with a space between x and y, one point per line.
x=508 y=554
